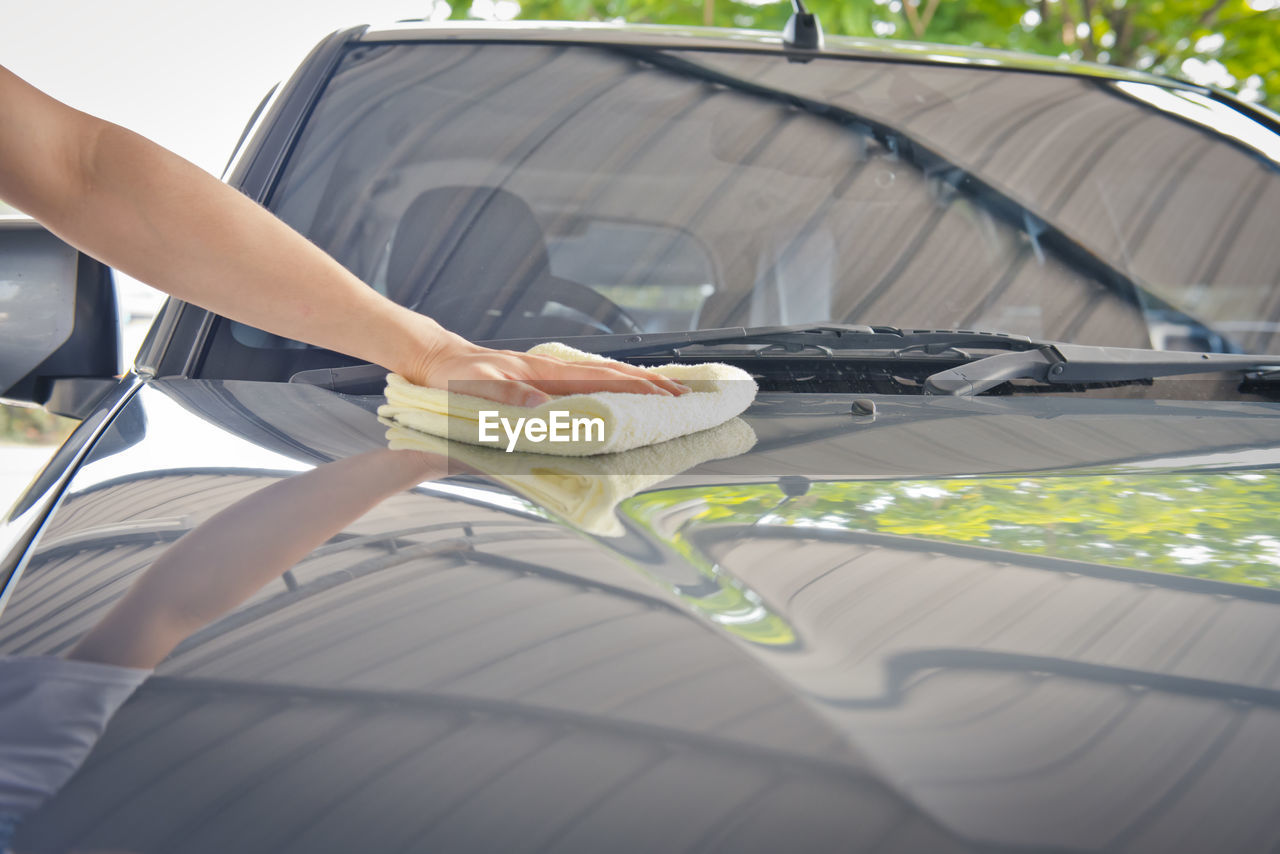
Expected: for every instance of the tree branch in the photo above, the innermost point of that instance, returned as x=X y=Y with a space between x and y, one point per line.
x=928 y=14
x=913 y=19
x=1090 y=45
x=1068 y=25
x=1123 y=51
x=1209 y=14
x=1240 y=19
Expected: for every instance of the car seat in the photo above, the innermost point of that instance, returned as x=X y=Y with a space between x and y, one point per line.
x=475 y=259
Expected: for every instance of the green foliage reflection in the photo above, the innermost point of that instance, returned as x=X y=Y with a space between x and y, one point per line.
x=1220 y=526
x=727 y=602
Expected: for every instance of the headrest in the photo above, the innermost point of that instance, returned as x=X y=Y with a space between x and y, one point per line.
x=453 y=241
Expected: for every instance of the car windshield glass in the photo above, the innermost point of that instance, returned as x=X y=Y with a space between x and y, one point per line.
x=516 y=190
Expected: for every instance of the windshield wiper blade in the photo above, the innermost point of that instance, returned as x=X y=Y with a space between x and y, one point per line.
x=1078 y=364
x=827 y=338
x=833 y=338
x=624 y=343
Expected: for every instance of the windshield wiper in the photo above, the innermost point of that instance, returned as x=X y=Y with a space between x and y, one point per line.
x=826 y=338
x=1078 y=364
x=1048 y=362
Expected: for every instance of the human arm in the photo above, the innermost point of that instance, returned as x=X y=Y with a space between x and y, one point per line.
x=149 y=213
x=226 y=559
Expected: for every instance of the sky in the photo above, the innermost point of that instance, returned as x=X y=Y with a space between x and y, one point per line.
x=188 y=75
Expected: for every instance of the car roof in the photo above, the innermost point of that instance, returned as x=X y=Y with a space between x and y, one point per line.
x=720 y=38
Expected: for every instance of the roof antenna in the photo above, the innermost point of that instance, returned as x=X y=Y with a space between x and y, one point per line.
x=803 y=30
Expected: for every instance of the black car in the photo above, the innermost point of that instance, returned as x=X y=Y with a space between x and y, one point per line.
x=989 y=565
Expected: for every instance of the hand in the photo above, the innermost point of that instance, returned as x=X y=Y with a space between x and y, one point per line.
x=522 y=379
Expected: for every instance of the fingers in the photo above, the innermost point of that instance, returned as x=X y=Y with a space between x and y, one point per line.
x=510 y=392
x=582 y=380
x=557 y=377
x=590 y=385
x=521 y=379
x=666 y=383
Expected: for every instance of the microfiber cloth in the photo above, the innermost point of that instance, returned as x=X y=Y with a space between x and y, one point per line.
x=720 y=392
x=585 y=490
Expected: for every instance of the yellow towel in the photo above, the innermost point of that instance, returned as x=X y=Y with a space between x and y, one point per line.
x=585 y=490
x=630 y=420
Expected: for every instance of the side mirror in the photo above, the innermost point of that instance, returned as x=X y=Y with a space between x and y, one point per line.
x=59 y=331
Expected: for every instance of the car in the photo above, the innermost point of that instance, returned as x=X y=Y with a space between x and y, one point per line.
x=978 y=570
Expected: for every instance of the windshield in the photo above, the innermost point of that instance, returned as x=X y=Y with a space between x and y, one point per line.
x=543 y=191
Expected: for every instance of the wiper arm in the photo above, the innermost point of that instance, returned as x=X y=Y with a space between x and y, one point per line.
x=1077 y=364
x=827 y=338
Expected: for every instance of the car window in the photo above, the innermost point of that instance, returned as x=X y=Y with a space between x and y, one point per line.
x=526 y=190
x=662 y=277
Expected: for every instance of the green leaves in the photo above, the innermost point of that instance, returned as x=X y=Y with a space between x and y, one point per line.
x=1231 y=43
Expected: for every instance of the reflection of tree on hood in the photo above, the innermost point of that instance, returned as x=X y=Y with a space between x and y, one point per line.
x=1213 y=525
x=52 y=711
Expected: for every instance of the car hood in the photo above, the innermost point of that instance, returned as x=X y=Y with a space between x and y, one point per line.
x=950 y=624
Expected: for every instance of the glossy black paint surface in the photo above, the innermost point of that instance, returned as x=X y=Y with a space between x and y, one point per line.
x=460 y=670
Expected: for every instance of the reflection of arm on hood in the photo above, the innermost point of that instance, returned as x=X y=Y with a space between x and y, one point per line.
x=53 y=710
x=221 y=563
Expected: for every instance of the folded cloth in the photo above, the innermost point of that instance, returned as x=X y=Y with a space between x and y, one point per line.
x=585 y=490
x=630 y=420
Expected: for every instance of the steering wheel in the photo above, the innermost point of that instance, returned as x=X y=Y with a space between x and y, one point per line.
x=548 y=307
x=580 y=303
